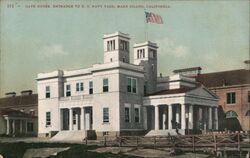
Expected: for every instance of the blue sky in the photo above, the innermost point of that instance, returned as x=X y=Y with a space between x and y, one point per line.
x=210 y=34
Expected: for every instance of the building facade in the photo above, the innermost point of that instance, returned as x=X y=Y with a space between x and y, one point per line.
x=18 y=114
x=123 y=98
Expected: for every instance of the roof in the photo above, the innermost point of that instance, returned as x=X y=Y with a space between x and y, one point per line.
x=173 y=91
x=15 y=113
x=16 y=101
x=225 y=78
x=187 y=69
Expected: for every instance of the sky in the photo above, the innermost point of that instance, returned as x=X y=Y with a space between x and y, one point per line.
x=211 y=34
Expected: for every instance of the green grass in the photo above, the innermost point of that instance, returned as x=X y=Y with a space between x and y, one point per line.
x=17 y=150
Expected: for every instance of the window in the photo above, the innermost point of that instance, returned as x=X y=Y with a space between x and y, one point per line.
x=90 y=87
x=79 y=87
x=105 y=115
x=127 y=114
x=248 y=97
x=140 y=53
x=68 y=90
x=131 y=85
x=231 y=98
x=231 y=114
x=30 y=127
x=137 y=115
x=48 y=118
x=105 y=85
x=248 y=113
x=111 y=45
x=123 y=45
x=47 y=91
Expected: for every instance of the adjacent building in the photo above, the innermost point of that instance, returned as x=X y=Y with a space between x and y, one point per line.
x=18 y=114
x=122 y=98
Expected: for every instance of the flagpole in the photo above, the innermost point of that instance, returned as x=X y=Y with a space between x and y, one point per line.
x=146 y=26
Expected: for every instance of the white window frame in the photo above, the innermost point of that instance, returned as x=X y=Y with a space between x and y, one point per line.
x=104 y=85
x=132 y=85
x=91 y=87
x=231 y=98
x=47 y=91
x=104 y=113
x=48 y=119
x=136 y=106
x=79 y=87
x=129 y=113
x=68 y=90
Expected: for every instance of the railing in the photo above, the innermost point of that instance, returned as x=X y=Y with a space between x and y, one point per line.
x=78 y=97
x=215 y=142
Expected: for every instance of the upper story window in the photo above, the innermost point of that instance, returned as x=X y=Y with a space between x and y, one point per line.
x=105 y=85
x=127 y=114
x=68 y=90
x=231 y=114
x=231 y=98
x=123 y=45
x=90 y=87
x=47 y=91
x=140 y=53
x=48 y=118
x=248 y=96
x=111 y=45
x=105 y=115
x=131 y=85
x=137 y=115
x=152 y=53
x=79 y=87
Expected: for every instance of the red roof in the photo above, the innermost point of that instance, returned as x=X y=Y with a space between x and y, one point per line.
x=225 y=78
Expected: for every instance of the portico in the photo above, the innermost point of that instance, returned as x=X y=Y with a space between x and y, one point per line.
x=187 y=112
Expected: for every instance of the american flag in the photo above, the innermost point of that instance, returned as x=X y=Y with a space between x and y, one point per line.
x=153 y=18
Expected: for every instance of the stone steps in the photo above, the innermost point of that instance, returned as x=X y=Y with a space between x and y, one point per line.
x=164 y=132
x=74 y=135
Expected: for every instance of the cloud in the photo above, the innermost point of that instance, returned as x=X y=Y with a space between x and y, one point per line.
x=53 y=50
x=169 y=46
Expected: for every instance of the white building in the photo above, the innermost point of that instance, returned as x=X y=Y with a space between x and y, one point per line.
x=123 y=98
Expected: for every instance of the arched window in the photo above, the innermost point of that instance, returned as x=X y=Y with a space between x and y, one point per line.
x=231 y=114
x=248 y=113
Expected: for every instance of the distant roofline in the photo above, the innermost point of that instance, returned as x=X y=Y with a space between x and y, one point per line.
x=187 y=69
x=223 y=71
x=118 y=33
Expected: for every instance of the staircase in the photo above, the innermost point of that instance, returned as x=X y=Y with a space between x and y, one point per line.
x=69 y=136
x=165 y=132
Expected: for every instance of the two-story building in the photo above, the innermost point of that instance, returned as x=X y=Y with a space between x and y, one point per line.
x=122 y=98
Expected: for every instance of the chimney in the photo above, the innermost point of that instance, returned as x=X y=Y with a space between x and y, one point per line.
x=26 y=92
x=10 y=94
x=247 y=64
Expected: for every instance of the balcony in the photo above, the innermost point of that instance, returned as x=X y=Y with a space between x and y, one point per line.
x=78 y=97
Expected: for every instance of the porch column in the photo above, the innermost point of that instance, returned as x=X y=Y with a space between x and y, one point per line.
x=61 y=118
x=145 y=120
x=156 y=117
x=7 y=126
x=82 y=118
x=177 y=114
x=77 y=122
x=13 y=126
x=183 y=116
x=216 y=118
x=190 y=117
x=163 y=121
x=200 y=123
x=21 y=126
x=170 y=116
x=210 y=122
x=70 y=119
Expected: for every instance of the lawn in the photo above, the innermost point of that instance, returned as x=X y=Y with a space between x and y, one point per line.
x=17 y=150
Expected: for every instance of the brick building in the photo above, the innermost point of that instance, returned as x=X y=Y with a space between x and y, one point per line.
x=233 y=89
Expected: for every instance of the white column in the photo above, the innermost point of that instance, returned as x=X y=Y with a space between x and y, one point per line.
x=190 y=117
x=70 y=119
x=77 y=122
x=61 y=119
x=177 y=114
x=13 y=126
x=170 y=116
x=163 y=121
x=156 y=117
x=216 y=118
x=145 y=119
x=21 y=126
x=183 y=116
x=7 y=126
x=210 y=122
x=82 y=118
